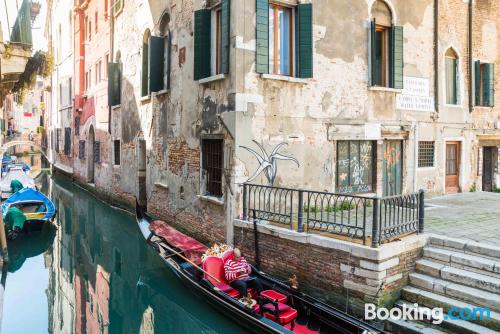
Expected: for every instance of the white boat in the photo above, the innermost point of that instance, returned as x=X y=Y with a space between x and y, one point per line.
x=15 y=173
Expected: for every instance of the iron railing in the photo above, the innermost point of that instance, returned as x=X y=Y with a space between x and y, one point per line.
x=373 y=220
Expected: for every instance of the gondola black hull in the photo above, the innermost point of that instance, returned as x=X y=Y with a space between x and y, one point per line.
x=338 y=322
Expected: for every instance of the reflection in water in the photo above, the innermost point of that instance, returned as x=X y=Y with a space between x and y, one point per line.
x=101 y=277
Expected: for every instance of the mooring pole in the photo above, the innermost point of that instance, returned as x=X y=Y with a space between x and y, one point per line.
x=3 y=240
x=256 y=240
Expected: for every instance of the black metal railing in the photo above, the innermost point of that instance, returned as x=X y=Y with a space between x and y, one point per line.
x=373 y=220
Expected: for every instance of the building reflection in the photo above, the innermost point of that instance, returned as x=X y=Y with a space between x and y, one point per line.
x=104 y=278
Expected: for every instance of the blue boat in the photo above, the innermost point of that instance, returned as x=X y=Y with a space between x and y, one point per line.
x=37 y=208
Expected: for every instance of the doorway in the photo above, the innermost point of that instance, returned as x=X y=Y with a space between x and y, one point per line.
x=90 y=156
x=393 y=167
x=452 y=167
x=488 y=167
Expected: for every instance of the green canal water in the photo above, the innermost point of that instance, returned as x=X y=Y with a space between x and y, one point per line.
x=93 y=273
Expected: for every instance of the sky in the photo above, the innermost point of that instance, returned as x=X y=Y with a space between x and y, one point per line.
x=8 y=8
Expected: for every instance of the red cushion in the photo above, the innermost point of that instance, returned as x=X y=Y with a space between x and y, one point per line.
x=233 y=293
x=224 y=287
x=215 y=267
x=274 y=295
x=281 y=307
x=284 y=317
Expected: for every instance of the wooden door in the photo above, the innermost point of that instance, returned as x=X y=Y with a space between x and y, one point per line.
x=488 y=168
x=452 y=166
x=393 y=167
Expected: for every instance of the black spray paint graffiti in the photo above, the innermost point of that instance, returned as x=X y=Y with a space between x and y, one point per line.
x=268 y=163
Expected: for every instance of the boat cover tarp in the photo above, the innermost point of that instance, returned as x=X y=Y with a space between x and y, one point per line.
x=16 y=174
x=15 y=218
x=28 y=195
x=191 y=248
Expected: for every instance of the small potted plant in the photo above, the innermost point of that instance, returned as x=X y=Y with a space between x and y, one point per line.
x=35 y=9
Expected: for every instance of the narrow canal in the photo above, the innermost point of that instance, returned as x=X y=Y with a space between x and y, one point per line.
x=93 y=273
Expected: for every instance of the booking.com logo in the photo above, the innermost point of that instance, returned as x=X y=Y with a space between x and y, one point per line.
x=436 y=315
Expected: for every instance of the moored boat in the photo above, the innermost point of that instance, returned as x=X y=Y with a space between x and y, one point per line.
x=37 y=208
x=278 y=309
x=15 y=172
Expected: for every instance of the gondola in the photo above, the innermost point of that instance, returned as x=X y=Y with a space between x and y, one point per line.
x=278 y=309
x=37 y=208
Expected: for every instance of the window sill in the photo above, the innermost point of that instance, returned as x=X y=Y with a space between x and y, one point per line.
x=146 y=99
x=484 y=107
x=424 y=169
x=211 y=199
x=161 y=185
x=283 y=78
x=116 y=107
x=160 y=93
x=456 y=106
x=212 y=78
x=385 y=89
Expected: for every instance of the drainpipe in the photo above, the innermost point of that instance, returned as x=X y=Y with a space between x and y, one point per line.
x=469 y=32
x=436 y=55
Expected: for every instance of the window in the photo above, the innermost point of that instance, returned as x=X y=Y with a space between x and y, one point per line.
x=386 y=48
x=97 y=151
x=116 y=144
x=67 y=141
x=425 y=154
x=96 y=23
x=211 y=41
x=114 y=81
x=58 y=139
x=451 y=69
x=280 y=40
x=90 y=78
x=106 y=64
x=90 y=31
x=117 y=7
x=212 y=160
x=99 y=71
x=145 y=64
x=355 y=167
x=484 y=81
x=77 y=125
x=105 y=9
x=81 y=149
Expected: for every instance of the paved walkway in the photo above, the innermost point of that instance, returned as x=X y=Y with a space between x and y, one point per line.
x=472 y=216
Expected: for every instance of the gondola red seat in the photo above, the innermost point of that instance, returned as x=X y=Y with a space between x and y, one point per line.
x=215 y=267
x=274 y=295
x=286 y=314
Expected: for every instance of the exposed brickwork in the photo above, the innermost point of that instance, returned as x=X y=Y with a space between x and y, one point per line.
x=181 y=156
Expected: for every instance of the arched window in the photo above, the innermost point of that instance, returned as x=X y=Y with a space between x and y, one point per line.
x=451 y=76
x=381 y=48
x=145 y=64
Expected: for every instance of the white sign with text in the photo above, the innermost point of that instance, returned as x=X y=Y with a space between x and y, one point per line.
x=415 y=95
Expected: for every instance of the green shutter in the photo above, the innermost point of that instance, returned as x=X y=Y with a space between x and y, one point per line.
x=167 y=66
x=202 y=22
x=262 y=37
x=114 y=89
x=396 y=58
x=372 y=46
x=156 y=59
x=225 y=29
x=477 y=83
x=305 y=41
x=488 y=85
x=3 y=125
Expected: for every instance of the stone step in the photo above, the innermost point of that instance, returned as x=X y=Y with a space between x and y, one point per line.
x=465 y=246
x=456 y=326
x=475 y=263
x=409 y=327
x=460 y=276
x=431 y=299
x=452 y=290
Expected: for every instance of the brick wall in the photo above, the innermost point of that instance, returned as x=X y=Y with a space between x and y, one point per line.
x=181 y=156
x=342 y=277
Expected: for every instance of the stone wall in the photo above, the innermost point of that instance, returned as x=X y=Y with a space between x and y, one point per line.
x=342 y=273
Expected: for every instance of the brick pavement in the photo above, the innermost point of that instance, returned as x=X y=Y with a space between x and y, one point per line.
x=471 y=216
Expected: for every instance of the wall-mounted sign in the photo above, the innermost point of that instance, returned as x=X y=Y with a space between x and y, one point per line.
x=415 y=95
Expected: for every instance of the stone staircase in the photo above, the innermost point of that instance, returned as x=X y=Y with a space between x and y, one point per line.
x=453 y=273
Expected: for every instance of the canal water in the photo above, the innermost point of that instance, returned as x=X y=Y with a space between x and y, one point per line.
x=92 y=272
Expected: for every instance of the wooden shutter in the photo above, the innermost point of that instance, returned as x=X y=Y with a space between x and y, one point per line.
x=166 y=66
x=488 y=85
x=156 y=66
x=305 y=41
x=372 y=46
x=477 y=82
x=396 y=58
x=202 y=23
x=114 y=78
x=225 y=35
x=262 y=36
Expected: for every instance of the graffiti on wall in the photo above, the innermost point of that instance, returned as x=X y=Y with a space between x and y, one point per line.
x=268 y=162
x=354 y=166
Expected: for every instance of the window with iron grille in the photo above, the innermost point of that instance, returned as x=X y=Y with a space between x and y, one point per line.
x=97 y=152
x=425 y=154
x=117 y=152
x=212 y=164
x=81 y=150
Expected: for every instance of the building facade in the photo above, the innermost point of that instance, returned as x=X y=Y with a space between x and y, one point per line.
x=202 y=96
